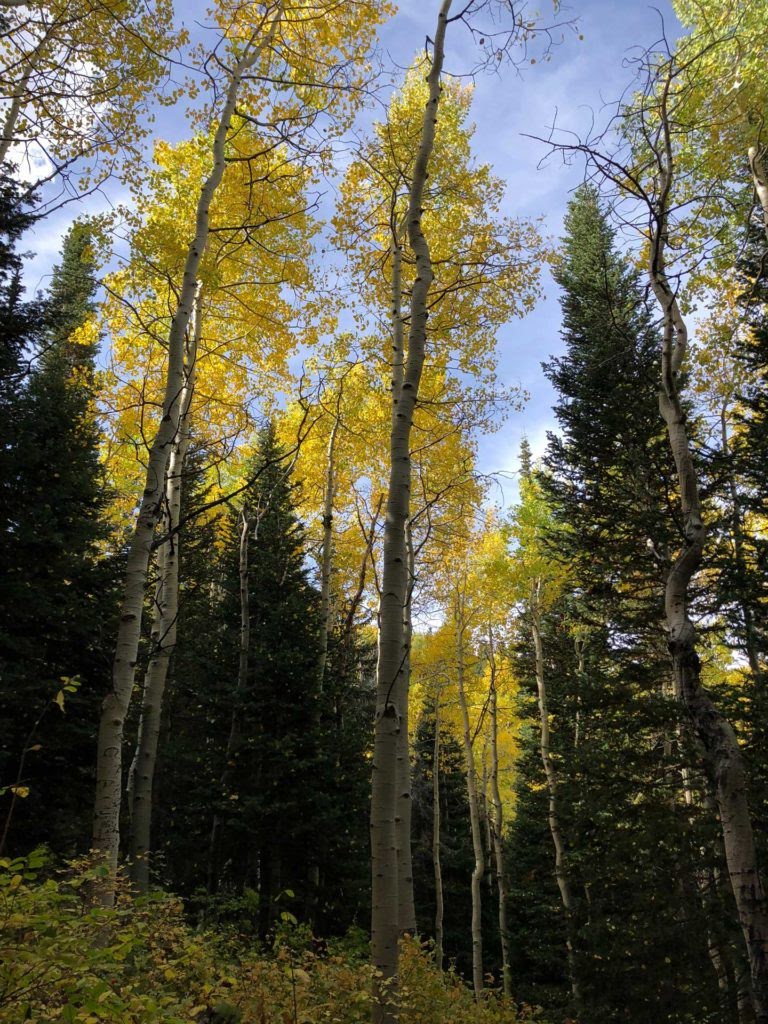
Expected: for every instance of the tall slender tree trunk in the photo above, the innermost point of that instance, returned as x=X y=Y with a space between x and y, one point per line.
x=474 y=809
x=722 y=758
x=485 y=822
x=14 y=112
x=109 y=754
x=436 y=862
x=406 y=907
x=391 y=654
x=561 y=870
x=164 y=628
x=497 y=825
x=709 y=885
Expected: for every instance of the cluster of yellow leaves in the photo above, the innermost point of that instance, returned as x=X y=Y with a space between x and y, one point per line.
x=88 y=74
x=255 y=277
x=486 y=266
x=316 y=70
x=475 y=601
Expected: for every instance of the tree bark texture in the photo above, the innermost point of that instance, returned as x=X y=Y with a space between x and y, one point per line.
x=721 y=755
x=406 y=907
x=164 y=628
x=474 y=809
x=497 y=825
x=391 y=654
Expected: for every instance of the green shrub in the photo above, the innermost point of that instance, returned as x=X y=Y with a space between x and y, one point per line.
x=63 y=960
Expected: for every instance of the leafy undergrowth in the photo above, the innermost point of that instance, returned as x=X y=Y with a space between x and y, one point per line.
x=63 y=960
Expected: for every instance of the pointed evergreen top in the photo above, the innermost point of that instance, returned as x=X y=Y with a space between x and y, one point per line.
x=73 y=286
x=526 y=459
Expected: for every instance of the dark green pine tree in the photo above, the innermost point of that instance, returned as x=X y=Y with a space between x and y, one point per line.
x=343 y=784
x=19 y=329
x=281 y=765
x=273 y=784
x=59 y=597
x=633 y=842
x=198 y=703
x=608 y=472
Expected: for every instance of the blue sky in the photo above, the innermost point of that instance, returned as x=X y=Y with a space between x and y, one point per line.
x=582 y=75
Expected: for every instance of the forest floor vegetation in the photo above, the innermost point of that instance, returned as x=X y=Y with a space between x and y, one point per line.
x=63 y=959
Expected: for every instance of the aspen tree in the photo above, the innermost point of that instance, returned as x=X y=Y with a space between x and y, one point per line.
x=164 y=626
x=384 y=923
x=77 y=81
x=296 y=44
x=478 y=871
x=106 y=827
x=436 y=862
x=722 y=757
x=497 y=821
x=720 y=135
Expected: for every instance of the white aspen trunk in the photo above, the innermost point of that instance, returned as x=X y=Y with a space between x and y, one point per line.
x=12 y=115
x=722 y=758
x=235 y=727
x=164 y=631
x=561 y=872
x=497 y=826
x=106 y=815
x=474 y=811
x=436 y=863
x=389 y=669
x=406 y=908
x=154 y=639
x=16 y=105
x=760 y=181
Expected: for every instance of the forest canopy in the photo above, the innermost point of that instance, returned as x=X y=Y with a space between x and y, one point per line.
x=383 y=512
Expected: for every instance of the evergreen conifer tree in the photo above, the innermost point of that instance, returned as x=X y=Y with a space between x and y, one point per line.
x=633 y=842
x=61 y=604
x=280 y=765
